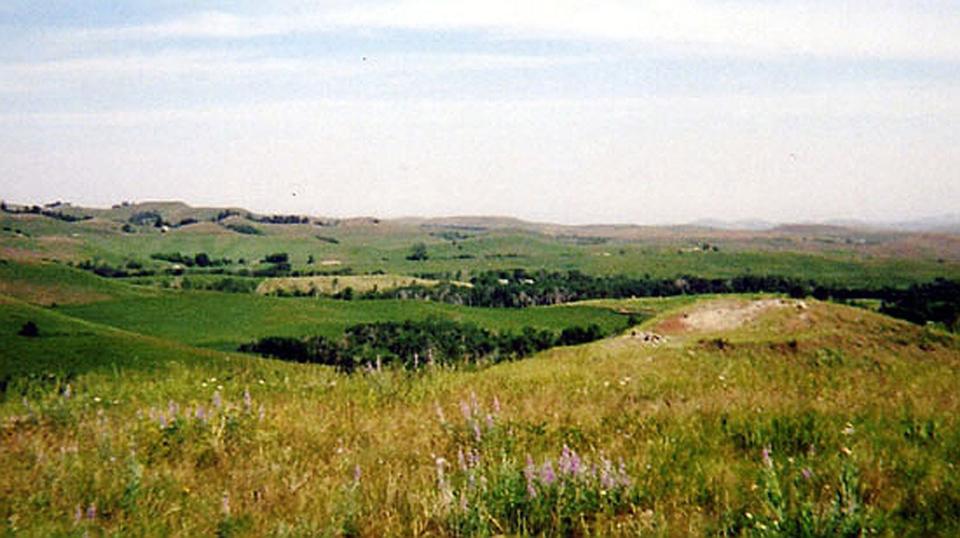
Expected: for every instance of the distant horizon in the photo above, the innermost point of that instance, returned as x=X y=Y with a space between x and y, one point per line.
x=951 y=219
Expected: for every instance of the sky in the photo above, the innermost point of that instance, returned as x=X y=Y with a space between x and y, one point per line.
x=602 y=111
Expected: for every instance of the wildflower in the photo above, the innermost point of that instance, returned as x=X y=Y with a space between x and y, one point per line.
x=163 y=421
x=569 y=462
x=529 y=474
x=67 y=392
x=92 y=511
x=807 y=473
x=225 y=504
x=624 y=477
x=474 y=404
x=476 y=432
x=357 y=473
x=77 y=514
x=461 y=460
x=247 y=400
x=496 y=405
x=217 y=400
x=441 y=463
x=262 y=382
x=608 y=479
x=201 y=413
x=440 y=415
x=765 y=453
x=473 y=458
x=547 y=476
x=261 y=412
x=463 y=501
x=490 y=423
x=96 y=399
x=173 y=408
x=848 y=430
x=465 y=410
x=846 y=451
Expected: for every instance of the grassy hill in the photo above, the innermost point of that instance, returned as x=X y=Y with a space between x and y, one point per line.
x=821 y=417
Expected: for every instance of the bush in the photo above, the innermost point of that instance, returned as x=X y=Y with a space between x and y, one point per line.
x=418 y=252
x=244 y=229
x=29 y=330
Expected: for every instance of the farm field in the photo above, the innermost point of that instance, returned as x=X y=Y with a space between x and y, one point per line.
x=128 y=410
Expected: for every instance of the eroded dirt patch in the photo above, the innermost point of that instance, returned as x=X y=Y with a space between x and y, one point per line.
x=723 y=315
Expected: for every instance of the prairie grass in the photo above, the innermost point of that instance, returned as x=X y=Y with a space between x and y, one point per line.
x=844 y=425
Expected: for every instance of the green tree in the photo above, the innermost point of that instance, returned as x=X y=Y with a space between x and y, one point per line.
x=418 y=252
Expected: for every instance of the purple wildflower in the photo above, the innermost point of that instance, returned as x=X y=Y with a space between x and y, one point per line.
x=173 y=409
x=92 y=512
x=569 y=462
x=473 y=458
x=77 y=514
x=490 y=422
x=465 y=410
x=163 y=421
x=357 y=473
x=476 y=431
x=547 y=476
x=474 y=404
x=201 y=413
x=530 y=474
x=217 y=400
x=765 y=454
x=624 y=477
x=607 y=478
x=807 y=473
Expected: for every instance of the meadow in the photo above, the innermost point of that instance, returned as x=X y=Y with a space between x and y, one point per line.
x=132 y=412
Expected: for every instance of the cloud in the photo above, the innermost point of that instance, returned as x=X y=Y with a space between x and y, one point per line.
x=887 y=29
x=185 y=65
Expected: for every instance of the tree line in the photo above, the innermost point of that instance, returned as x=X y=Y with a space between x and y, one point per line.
x=937 y=301
x=414 y=344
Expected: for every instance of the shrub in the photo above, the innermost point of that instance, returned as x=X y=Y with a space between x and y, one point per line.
x=29 y=330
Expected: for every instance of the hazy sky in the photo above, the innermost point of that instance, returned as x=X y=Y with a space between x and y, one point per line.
x=568 y=111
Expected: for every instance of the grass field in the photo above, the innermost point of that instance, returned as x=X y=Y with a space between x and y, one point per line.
x=858 y=420
x=132 y=413
x=328 y=285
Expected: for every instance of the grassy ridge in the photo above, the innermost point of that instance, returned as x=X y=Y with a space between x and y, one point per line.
x=861 y=409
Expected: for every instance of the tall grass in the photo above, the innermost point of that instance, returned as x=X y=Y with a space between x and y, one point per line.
x=612 y=438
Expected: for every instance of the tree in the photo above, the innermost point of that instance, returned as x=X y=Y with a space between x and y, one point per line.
x=418 y=252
